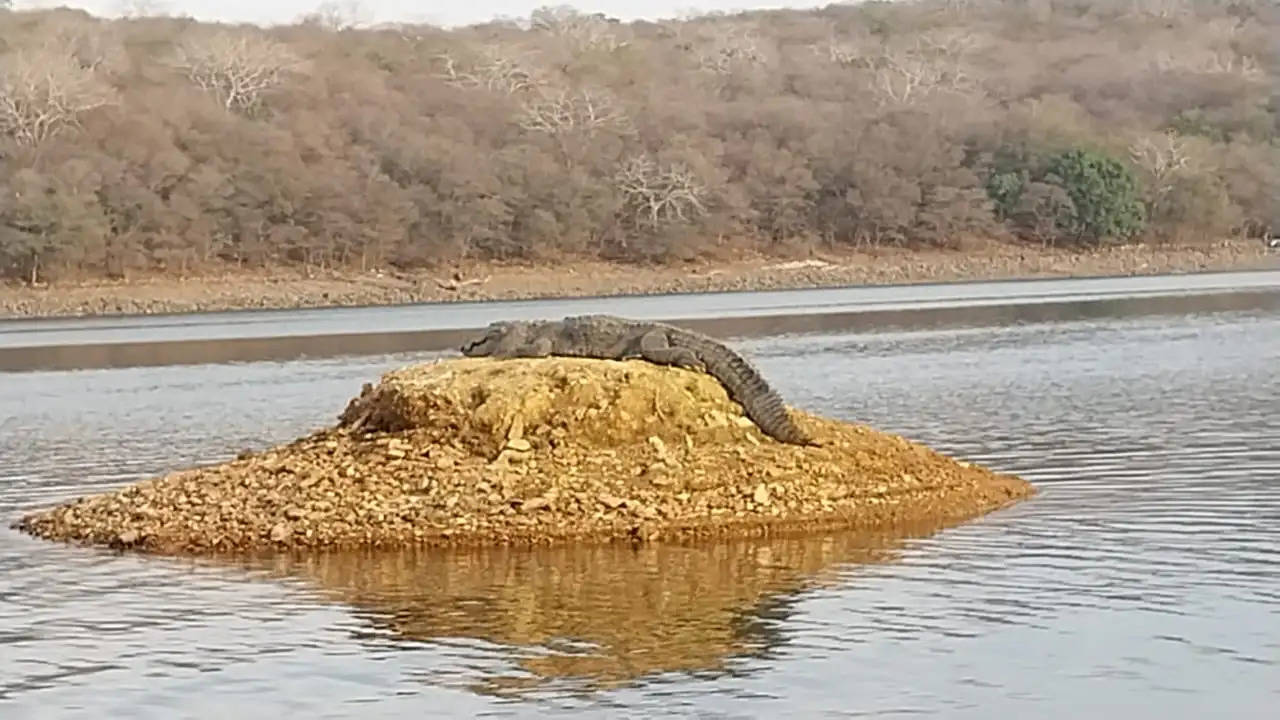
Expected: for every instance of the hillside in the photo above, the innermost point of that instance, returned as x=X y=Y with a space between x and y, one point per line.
x=165 y=145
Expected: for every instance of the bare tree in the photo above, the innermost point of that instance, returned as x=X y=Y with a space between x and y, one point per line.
x=497 y=70
x=1222 y=61
x=337 y=15
x=582 y=32
x=574 y=111
x=934 y=64
x=730 y=46
x=237 y=69
x=1217 y=54
x=845 y=52
x=46 y=90
x=656 y=195
x=1180 y=181
x=1163 y=159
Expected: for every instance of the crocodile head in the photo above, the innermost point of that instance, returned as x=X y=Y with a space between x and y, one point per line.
x=487 y=343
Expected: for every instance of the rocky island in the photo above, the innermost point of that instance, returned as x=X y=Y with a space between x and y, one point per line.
x=478 y=451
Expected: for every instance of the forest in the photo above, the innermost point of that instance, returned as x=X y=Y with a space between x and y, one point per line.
x=160 y=144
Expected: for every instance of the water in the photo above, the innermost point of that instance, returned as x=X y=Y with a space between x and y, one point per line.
x=279 y=335
x=1144 y=580
x=243 y=324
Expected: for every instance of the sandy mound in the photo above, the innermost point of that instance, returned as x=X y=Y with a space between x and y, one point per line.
x=479 y=451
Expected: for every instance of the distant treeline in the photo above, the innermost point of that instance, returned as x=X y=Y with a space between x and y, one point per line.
x=162 y=143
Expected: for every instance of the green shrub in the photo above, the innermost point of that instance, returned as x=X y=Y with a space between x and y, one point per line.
x=1104 y=194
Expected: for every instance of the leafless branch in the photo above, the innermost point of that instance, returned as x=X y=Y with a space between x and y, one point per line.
x=1218 y=62
x=237 y=69
x=1164 y=159
x=843 y=52
x=495 y=70
x=935 y=64
x=728 y=48
x=655 y=195
x=571 y=111
x=44 y=91
x=583 y=32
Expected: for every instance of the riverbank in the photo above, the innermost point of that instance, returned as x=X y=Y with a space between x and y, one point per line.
x=495 y=281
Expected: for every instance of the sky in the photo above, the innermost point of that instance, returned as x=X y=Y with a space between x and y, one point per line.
x=439 y=12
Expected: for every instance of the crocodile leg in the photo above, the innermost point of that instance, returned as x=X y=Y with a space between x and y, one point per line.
x=539 y=348
x=655 y=348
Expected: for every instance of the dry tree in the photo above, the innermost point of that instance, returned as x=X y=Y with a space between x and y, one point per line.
x=571 y=111
x=582 y=32
x=237 y=69
x=730 y=47
x=1165 y=158
x=45 y=90
x=654 y=195
x=935 y=63
x=496 y=70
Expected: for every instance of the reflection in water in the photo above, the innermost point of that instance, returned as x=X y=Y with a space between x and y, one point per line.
x=599 y=616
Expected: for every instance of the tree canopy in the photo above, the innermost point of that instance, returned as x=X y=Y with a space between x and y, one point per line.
x=167 y=144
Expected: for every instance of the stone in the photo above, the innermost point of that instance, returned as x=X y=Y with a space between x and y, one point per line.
x=536 y=503
x=761 y=495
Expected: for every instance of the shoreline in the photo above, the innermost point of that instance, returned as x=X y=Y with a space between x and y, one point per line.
x=263 y=290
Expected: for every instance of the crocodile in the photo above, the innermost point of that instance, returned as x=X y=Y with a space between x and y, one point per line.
x=610 y=337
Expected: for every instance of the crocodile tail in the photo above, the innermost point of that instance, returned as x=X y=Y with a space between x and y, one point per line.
x=748 y=387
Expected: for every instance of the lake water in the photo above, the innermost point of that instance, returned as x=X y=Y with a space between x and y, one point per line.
x=1143 y=581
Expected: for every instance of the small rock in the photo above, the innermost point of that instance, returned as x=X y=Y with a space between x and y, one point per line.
x=537 y=503
x=519 y=444
x=761 y=495
x=445 y=462
x=129 y=537
x=395 y=452
x=280 y=532
x=294 y=513
x=516 y=432
x=611 y=501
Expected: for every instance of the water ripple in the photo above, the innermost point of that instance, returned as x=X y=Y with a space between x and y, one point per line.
x=1141 y=580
